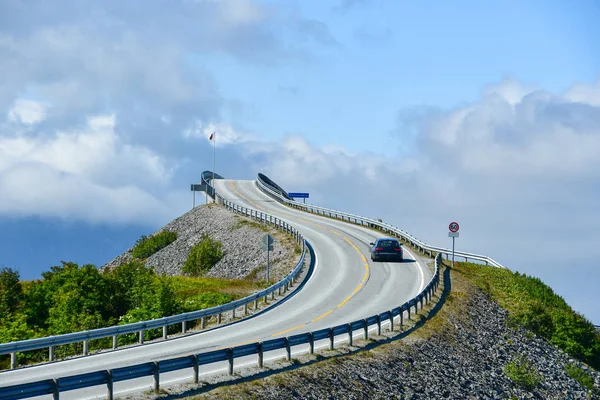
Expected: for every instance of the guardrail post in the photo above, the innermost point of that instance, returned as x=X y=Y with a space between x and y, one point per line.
x=378 y=325
x=13 y=360
x=246 y=309
x=401 y=317
x=273 y=295
x=196 y=369
x=255 y=304
x=55 y=391
x=366 y=329
x=349 y=334
x=391 y=321
x=260 y=355
x=416 y=307
x=279 y=291
x=265 y=299
x=311 y=343
x=408 y=309
x=164 y=332
x=202 y=322
x=85 y=347
x=183 y=326
x=219 y=319
x=331 y=339
x=230 y=351
x=156 y=376
x=109 y=384
x=141 y=335
x=115 y=342
x=233 y=314
x=288 y=349
x=51 y=353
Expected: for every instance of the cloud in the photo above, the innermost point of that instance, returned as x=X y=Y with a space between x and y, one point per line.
x=85 y=174
x=27 y=112
x=518 y=168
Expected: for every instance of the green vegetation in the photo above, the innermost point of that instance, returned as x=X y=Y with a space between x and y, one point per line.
x=203 y=256
x=146 y=246
x=70 y=298
x=586 y=380
x=523 y=373
x=253 y=224
x=534 y=305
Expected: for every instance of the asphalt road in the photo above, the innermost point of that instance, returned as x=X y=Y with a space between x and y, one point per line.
x=345 y=286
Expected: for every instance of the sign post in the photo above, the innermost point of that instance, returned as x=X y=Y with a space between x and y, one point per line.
x=268 y=245
x=197 y=188
x=454 y=227
x=303 y=196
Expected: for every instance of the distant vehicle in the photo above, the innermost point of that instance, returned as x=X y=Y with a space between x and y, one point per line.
x=386 y=249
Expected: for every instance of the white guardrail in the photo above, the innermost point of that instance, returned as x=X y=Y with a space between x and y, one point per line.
x=423 y=247
x=140 y=328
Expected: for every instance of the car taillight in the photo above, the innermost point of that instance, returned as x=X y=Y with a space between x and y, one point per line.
x=397 y=249
x=378 y=248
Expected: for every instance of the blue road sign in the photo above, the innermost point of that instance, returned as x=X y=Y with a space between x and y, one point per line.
x=298 y=195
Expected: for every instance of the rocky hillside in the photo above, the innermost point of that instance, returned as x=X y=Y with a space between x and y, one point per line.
x=466 y=349
x=241 y=237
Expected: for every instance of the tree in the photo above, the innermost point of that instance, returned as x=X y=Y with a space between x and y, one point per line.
x=11 y=292
x=203 y=256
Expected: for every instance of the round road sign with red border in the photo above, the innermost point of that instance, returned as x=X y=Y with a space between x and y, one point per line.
x=453 y=227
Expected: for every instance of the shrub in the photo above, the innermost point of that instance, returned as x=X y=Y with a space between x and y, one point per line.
x=580 y=376
x=203 y=256
x=523 y=373
x=146 y=246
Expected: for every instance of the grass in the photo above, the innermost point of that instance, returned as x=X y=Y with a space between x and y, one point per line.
x=586 y=380
x=523 y=373
x=190 y=287
x=534 y=306
x=247 y=222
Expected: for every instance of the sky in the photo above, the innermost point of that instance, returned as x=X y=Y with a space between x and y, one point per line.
x=418 y=113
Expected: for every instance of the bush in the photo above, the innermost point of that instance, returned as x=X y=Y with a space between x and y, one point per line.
x=146 y=246
x=580 y=376
x=523 y=373
x=203 y=256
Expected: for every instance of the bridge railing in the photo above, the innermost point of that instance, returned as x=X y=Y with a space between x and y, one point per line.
x=372 y=223
x=301 y=343
x=140 y=328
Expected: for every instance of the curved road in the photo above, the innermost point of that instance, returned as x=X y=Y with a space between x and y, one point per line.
x=345 y=286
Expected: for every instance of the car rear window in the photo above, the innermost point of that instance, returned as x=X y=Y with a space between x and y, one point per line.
x=388 y=243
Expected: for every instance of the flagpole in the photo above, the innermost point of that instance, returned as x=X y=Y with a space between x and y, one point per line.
x=213 y=178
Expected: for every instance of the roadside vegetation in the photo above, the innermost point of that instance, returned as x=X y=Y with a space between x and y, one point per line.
x=146 y=246
x=534 y=305
x=203 y=256
x=72 y=298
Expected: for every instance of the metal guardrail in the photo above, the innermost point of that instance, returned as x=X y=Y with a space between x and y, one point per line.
x=387 y=228
x=140 y=327
x=155 y=368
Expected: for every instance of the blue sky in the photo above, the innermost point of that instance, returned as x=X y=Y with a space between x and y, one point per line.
x=488 y=114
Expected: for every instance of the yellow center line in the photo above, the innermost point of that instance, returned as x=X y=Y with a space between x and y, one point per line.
x=288 y=330
x=344 y=302
x=322 y=316
x=356 y=290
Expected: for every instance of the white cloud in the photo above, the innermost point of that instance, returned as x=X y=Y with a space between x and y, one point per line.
x=85 y=174
x=28 y=112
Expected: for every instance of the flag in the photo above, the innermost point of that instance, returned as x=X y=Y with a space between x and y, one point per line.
x=211 y=136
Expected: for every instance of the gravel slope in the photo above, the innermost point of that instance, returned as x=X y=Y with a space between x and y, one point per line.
x=242 y=245
x=459 y=353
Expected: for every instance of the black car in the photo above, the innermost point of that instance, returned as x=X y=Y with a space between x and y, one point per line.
x=386 y=249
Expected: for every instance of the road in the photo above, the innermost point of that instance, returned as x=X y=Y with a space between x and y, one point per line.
x=344 y=286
